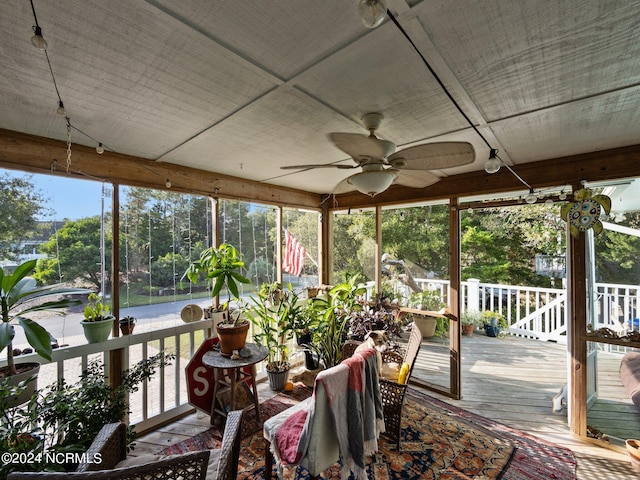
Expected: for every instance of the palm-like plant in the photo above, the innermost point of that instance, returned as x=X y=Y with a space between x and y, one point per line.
x=221 y=266
x=19 y=296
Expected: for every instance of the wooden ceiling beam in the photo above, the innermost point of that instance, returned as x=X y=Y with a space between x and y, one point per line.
x=611 y=164
x=30 y=153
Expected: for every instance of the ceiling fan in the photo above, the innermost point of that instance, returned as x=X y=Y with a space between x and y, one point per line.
x=382 y=165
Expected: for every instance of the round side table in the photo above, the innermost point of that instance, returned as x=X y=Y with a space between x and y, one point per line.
x=230 y=374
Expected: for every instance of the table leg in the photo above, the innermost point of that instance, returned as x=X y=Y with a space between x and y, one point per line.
x=234 y=378
x=216 y=380
x=256 y=403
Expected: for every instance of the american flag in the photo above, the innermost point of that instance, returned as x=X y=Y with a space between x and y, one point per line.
x=294 y=254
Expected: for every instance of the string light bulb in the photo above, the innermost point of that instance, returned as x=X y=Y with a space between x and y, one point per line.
x=493 y=164
x=531 y=198
x=61 y=110
x=38 y=40
x=167 y=183
x=372 y=12
x=562 y=196
x=100 y=149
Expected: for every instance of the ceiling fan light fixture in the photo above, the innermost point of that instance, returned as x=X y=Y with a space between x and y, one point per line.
x=493 y=164
x=372 y=183
x=372 y=12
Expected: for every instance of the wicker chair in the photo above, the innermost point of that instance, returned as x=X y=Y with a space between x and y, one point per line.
x=110 y=443
x=393 y=393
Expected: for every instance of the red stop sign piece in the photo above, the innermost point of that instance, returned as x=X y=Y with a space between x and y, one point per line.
x=200 y=378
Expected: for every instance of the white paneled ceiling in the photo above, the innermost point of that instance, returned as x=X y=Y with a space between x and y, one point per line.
x=246 y=87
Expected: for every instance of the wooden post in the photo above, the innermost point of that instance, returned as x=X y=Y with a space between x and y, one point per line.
x=576 y=331
x=279 y=245
x=326 y=239
x=378 y=251
x=116 y=357
x=454 y=300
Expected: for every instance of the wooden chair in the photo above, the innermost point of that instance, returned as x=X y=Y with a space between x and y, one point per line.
x=392 y=391
x=110 y=444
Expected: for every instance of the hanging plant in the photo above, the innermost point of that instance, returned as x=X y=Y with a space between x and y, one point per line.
x=584 y=213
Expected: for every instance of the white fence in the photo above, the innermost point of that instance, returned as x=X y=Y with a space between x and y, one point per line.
x=163 y=397
x=542 y=313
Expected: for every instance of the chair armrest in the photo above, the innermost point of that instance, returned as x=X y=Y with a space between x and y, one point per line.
x=109 y=445
x=188 y=466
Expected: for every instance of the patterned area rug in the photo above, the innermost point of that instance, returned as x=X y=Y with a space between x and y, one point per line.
x=440 y=442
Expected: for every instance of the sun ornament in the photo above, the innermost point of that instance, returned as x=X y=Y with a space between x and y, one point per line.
x=584 y=213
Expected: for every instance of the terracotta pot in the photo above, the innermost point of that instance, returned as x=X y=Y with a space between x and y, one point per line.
x=232 y=337
x=468 y=330
x=127 y=328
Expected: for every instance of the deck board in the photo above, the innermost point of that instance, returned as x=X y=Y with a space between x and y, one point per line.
x=510 y=380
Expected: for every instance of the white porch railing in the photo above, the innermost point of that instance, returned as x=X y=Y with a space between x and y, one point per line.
x=163 y=397
x=542 y=313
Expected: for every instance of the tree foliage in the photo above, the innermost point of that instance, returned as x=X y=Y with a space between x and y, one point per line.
x=20 y=204
x=74 y=253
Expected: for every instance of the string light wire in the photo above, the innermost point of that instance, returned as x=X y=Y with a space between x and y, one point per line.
x=451 y=98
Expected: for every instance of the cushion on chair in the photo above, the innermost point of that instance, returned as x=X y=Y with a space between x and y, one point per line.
x=390 y=371
x=630 y=375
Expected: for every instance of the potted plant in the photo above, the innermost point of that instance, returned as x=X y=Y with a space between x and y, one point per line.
x=493 y=323
x=274 y=314
x=334 y=313
x=222 y=266
x=429 y=300
x=469 y=320
x=377 y=317
x=127 y=324
x=98 y=321
x=19 y=296
x=63 y=417
x=305 y=329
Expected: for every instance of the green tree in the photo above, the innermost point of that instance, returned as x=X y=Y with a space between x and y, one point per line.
x=75 y=253
x=618 y=254
x=20 y=203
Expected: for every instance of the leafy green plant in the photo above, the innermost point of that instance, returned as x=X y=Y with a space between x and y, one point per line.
x=472 y=317
x=376 y=317
x=95 y=310
x=19 y=296
x=275 y=313
x=334 y=313
x=488 y=316
x=66 y=418
x=221 y=266
x=427 y=300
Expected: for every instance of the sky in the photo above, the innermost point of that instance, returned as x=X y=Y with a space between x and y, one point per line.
x=70 y=198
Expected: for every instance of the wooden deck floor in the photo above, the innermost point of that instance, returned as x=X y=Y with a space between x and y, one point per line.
x=510 y=380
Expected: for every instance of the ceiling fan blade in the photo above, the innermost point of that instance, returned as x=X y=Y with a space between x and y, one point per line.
x=318 y=165
x=362 y=146
x=434 y=156
x=415 y=178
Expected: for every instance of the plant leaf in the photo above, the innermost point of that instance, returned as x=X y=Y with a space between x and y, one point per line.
x=37 y=337
x=7 y=332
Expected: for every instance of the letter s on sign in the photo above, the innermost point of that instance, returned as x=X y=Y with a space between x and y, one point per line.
x=198 y=378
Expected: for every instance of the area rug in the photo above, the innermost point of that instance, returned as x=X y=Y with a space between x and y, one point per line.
x=440 y=442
